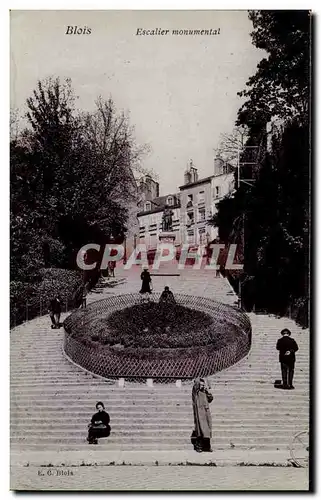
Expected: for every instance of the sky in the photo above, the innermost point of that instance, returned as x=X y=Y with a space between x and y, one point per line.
x=180 y=91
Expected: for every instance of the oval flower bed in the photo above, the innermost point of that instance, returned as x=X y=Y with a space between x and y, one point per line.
x=125 y=337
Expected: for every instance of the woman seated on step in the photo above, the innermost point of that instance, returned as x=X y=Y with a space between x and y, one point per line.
x=99 y=426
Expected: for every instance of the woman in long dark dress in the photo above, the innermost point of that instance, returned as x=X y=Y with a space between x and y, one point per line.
x=146 y=281
x=202 y=433
x=99 y=426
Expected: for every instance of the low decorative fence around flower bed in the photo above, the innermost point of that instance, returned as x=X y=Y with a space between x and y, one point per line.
x=158 y=363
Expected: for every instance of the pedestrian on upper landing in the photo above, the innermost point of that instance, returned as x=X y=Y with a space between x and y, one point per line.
x=84 y=297
x=55 y=311
x=167 y=296
x=201 y=397
x=146 y=282
x=99 y=426
x=111 y=268
x=287 y=348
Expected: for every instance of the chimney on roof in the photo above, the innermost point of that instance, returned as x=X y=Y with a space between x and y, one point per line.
x=190 y=174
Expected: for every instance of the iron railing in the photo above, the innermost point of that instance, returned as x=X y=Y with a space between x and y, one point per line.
x=158 y=363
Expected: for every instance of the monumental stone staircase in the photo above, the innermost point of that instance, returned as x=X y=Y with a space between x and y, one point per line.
x=52 y=400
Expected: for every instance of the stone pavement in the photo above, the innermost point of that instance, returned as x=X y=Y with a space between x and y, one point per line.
x=164 y=478
x=95 y=456
x=52 y=400
x=199 y=282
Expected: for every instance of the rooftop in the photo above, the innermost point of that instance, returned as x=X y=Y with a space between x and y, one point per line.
x=199 y=181
x=158 y=204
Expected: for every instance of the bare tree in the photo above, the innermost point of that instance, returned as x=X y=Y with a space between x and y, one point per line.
x=114 y=155
x=231 y=145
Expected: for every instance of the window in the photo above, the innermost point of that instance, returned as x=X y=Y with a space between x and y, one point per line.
x=153 y=219
x=148 y=206
x=190 y=237
x=190 y=218
x=189 y=200
x=170 y=200
x=202 y=236
x=201 y=197
x=201 y=214
x=217 y=191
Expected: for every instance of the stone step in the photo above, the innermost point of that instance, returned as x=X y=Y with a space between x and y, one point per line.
x=249 y=380
x=152 y=411
x=163 y=436
x=233 y=403
x=166 y=440
x=175 y=427
x=182 y=411
x=247 y=376
x=251 y=384
x=113 y=406
x=138 y=421
x=112 y=446
x=117 y=416
x=218 y=388
x=301 y=387
x=89 y=397
x=47 y=390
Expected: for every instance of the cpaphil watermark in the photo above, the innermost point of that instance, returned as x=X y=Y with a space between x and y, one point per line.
x=203 y=257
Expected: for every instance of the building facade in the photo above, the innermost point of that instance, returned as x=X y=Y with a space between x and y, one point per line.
x=199 y=199
x=195 y=196
x=192 y=207
x=150 y=215
x=222 y=184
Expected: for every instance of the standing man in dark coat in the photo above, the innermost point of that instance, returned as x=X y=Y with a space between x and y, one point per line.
x=146 y=281
x=287 y=348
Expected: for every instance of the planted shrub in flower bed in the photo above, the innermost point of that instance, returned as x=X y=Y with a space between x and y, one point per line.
x=153 y=327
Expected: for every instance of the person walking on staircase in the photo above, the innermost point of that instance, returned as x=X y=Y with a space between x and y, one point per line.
x=99 y=426
x=287 y=348
x=55 y=312
x=111 y=268
x=201 y=397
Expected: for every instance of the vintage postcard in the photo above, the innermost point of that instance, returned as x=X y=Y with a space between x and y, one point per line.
x=160 y=243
